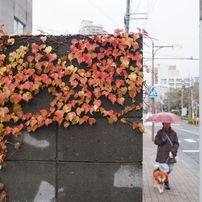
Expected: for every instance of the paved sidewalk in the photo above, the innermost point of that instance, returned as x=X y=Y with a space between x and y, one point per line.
x=184 y=179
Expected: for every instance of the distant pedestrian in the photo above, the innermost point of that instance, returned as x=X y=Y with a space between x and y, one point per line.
x=167 y=141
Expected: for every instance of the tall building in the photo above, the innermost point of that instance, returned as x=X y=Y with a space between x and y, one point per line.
x=16 y=16
x=169 y=75
x=87 y=28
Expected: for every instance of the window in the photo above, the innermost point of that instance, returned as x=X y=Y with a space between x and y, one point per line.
x=18 y=27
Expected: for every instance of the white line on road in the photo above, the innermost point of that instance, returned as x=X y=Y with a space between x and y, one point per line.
x=189 y=140
x=187 y=151
x=187 y=131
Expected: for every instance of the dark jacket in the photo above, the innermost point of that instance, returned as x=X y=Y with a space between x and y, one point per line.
x=164 y=147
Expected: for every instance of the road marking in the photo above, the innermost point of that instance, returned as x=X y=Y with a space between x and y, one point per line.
x=189 y=140
x=187 y=131
x=187 y=151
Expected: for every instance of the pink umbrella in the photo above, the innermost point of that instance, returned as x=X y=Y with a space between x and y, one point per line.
x=164 y=117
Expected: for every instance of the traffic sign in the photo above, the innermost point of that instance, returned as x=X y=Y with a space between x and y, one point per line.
x=153 y=93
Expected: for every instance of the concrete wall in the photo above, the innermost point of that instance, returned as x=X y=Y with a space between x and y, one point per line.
x=83 y=163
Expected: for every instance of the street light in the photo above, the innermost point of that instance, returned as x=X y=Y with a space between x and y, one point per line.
x=154 y=50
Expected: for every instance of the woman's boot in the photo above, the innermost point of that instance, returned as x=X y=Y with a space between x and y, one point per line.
x=167 y=186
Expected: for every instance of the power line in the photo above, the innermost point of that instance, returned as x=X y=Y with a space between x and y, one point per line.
x=105 y=14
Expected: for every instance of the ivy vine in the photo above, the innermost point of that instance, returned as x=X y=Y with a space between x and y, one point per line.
x=94 y=70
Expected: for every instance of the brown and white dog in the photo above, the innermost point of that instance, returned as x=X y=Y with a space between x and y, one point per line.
x=160 y=178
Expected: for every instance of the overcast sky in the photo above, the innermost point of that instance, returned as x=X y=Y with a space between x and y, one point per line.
x=168 y=21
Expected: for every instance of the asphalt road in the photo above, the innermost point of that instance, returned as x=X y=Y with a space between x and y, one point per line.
x=188 y=137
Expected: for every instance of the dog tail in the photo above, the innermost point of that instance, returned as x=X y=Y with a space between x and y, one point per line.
x=156 y=167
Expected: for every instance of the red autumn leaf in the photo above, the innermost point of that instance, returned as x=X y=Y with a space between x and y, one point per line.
x=134 y=125
x=40 y=119
x=2 y=57
x=100 y=56
x=74 y=83
x=135 y=45
x=52 y=56
x=59 y=113
x=66 y=124
x=3 y=111
x=81 y=121
x=70 y=116
x=30 y=58
x=54 y=76
x=44 y=112
x=8 y=130
x=97 y=104
x=110 y=112
x=15 y=118
x=74 y=41
x=16 y=129
x=138 y=57
x=28 y=115
x=33 y=121
x=121 y=100
x=16 y=98
x=97 y=92
x=119 y=83
x=30 y=71
x=91 y=121
x=27 y=96
x=86 y=108
x=79 y=111
x=35 y=48
x=112 y=98
x=48 y=121
x=139 y=64
x=37 y=57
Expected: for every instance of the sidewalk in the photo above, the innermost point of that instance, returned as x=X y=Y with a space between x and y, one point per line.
x=184 y=179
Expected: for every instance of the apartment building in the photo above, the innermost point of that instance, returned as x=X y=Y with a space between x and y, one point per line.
x=16 y=16
x=87 y=28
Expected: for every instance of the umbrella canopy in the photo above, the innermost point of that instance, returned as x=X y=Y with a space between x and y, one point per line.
x=164 y=117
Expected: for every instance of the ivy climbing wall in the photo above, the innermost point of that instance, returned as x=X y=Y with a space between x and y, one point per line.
x=71 y=109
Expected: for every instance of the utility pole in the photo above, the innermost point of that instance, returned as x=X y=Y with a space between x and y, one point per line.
x=127 y=17
x=200 y=97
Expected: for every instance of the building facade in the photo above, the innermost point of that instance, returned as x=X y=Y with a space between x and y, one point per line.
x=16 y=16
x=87 y=28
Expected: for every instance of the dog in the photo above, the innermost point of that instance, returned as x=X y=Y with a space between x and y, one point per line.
x=160 y=178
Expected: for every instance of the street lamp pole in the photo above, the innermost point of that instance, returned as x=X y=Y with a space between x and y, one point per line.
x=154 y=50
